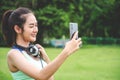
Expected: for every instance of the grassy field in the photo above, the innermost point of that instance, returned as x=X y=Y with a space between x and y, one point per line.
x=91 y=62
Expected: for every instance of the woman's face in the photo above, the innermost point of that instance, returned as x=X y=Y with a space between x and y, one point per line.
x=30 y=28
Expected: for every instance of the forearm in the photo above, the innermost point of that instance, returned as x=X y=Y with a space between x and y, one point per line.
x=52 y=67
x=51 y=78
x=70 y=47
x=47 y=60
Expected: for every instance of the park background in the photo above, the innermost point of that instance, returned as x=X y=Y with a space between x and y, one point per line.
x=99 y=28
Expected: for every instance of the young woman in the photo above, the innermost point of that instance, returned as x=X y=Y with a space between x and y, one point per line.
x=20 y=28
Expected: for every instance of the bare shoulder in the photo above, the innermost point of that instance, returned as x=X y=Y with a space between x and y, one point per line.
x=12 y=56
x=13 y=52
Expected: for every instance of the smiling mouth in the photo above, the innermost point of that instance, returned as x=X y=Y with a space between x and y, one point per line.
x=34 y=35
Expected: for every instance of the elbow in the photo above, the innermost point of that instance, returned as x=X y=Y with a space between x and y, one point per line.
x=42 y=77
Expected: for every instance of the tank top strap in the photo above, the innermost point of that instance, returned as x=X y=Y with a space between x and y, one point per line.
x=14 y=47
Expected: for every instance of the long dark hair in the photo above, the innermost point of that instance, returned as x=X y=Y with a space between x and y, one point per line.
x=9 y=20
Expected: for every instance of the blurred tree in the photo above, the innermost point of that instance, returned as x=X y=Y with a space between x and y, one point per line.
x=96 y=18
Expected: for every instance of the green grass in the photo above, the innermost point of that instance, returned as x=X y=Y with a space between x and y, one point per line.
x=91 y=62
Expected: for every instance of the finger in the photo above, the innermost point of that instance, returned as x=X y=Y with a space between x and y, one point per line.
x=39 y=46
x=80 y=44
x=75 y=35
x=79 y=39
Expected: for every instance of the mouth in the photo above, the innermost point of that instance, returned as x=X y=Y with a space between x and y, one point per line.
x=34 y=35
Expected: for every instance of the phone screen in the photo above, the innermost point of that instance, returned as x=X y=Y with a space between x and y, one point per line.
x=73 y=28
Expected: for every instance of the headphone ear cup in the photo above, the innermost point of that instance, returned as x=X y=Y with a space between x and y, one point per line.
x=33 y=50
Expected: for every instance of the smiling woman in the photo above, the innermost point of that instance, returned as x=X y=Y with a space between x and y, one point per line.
x=31 y=28
x=20 y=28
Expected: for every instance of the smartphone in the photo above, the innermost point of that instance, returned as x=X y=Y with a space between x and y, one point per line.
x=73 y=27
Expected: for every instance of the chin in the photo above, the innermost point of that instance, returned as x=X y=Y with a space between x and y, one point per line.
x=33 y=40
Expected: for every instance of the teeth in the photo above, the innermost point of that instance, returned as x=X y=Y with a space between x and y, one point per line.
x=33 y=35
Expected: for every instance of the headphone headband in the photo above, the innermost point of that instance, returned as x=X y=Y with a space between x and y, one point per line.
x=31 y=50
x=20 y=47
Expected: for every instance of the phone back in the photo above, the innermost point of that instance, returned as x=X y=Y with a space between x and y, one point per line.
x=73 y=28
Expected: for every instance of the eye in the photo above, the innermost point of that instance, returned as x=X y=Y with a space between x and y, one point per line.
x=31 y=26
x=36 y=25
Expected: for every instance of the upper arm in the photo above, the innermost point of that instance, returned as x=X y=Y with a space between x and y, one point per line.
x=22 y=64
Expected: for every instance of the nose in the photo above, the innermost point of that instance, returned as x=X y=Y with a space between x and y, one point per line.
x=35 y=29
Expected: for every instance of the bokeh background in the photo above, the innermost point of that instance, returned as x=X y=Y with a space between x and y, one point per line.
x=98 y=20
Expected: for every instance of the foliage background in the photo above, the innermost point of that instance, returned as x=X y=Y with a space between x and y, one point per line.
x=96 y=18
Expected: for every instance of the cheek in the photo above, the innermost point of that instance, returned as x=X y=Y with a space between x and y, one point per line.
x=26 y=35
x=29 y=37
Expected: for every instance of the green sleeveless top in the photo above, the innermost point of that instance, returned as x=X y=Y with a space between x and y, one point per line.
x=19 y=75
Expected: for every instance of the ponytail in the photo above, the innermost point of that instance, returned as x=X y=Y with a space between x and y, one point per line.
x=6 y=29
x=9 y=20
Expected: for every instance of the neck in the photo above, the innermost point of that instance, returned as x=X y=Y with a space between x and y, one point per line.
x=22 y=43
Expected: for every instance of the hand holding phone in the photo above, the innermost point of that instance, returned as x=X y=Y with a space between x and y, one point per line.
x=73 y=27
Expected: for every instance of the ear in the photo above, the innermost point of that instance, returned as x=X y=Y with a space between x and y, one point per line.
x=17 y=29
